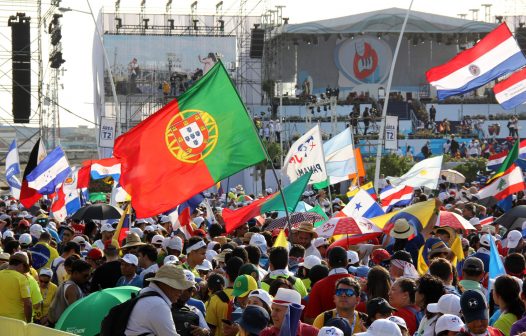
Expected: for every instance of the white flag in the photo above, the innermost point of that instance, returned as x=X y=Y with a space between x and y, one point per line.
x=423 y=174
x=305 y=155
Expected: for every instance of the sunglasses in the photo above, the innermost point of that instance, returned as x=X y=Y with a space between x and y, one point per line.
x=43 y=282
x=345 y=291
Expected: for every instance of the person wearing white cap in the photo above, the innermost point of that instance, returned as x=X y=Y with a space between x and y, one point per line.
x=129 y=265
x=106 y=233
x=204 y=268
x=171 y=259
x=259 y=240
x=353 y=258
x=447 y=304
x=515 y=243
x=304 y=268
x=283 y=299
x=401 y=324
x=166 y=223
x=36 y=230
x=382 y=327
x=157 y=241
x=448 y=325
x=321 y=244
x=173 y=245
x=330 y=331
x=48 y=291
x=138 y=231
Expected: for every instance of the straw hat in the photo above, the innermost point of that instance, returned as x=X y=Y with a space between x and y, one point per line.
x=402 y=229
x=172 y=276
x=133 y=239
x=306 y=227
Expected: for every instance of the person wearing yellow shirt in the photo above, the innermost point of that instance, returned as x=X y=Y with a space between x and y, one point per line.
x=346 y=299
x=48 y=291
x=42 y=253
x=15 y=301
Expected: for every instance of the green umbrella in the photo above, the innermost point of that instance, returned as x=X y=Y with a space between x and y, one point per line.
x=97 y=196
x=84 y=316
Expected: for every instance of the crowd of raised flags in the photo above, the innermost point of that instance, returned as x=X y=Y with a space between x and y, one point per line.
x=378 y=263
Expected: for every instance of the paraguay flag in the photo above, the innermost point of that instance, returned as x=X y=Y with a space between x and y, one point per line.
x=496 y=55
x=105 y=167
x=495 y=160
x=511 y=92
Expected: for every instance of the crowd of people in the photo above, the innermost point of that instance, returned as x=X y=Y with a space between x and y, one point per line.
x=242 y=283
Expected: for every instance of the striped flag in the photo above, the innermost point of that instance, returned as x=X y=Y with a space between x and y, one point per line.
x=494 y=56
x=123 y=227
x=511 y=92
x=12 y=170
x=510 y=182
x=486 y=221
x=495 y=160
x=396 y=196
x=362 y=205
x=49 y=173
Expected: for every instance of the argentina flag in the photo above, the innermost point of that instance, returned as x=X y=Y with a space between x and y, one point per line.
x=12 y=169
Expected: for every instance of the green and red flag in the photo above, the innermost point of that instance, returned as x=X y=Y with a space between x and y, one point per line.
x=510 y=159
x=292 y=193
x=193 y=142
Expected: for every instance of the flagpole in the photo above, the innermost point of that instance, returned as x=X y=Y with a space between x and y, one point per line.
x=330 y=195
x=227 y=191
x=386 y=102
x=328 y=178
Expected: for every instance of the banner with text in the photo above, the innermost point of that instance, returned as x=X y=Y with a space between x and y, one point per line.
x=107 y=133
x=391 y=132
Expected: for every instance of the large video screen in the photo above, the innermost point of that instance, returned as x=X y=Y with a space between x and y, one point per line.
x=146 y=64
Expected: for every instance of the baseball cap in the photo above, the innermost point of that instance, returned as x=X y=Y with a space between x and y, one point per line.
x=8 y=233
x=138 y=231
x=149 y=228
x=139 y=221
x=95 y=254
x=262 y=295
x=107 y=227
x=352 y=257
x=157 y=240
x=402 y=255
x=379 y=305
x=447 y=304
x=259 y=240
x=382 y=327
x=210 y=255
x=200 y=233
x=310 y=261
x=130 y=259
x=46 y=271
x=473 y=305
x=484 y=240
x=254 y=319
x=473 y=264
x=448 y=322
x=174 y=243
x=399 y=321
x=360 y=271
x=320 y=241
x=250 y=269
x=243 y=285
x=165 y=219
x=514 y=238
x=36 y=230
x=340 y=323
x=380 y=255
x=25 y=239
x=330 y=331
x=189 y=276
x=205 y=266
x=23 y=222
x=170 y=259
x=286 y=297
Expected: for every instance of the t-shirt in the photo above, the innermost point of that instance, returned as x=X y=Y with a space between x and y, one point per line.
x=518 y=327
x=303 y=330
x=216 y=310
x=106 y=276
x=409 y=317
x=135 y=281
x=321 y=297
x=36 y=296
x=14 y=287
x=505 y=322
x=47 y=296
x=358 y=323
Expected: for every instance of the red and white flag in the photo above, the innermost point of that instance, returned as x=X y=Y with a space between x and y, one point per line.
x=396 y=196
x=512 y=181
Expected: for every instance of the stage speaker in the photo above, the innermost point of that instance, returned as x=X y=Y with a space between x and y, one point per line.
x=257 y=41
x=520 y=36
x=21 y=57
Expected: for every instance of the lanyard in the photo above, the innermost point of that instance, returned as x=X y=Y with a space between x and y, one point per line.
x=128 y=282
x=353 y=321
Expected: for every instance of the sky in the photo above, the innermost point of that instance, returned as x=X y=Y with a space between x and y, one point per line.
x=78 y=29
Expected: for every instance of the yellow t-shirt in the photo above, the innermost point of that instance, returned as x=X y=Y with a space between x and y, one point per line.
x=52 y=254
x=14 y=287
x=47 y=295
x=216 y=310
x=320 y=321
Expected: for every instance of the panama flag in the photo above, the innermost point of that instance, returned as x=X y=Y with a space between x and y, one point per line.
x=511 y=92
x=12 y=169
x=510 y=182
x=362 y=205
x=396 y=196
x=181 y=216
x=306 y=155
x=50 y=172
x=496 y=55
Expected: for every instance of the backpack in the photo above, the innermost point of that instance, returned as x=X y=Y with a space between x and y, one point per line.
x=224 y=298
x=115 y=323
x=54 y=268
x=184 y=318
x=291 y=279
x=59 y=303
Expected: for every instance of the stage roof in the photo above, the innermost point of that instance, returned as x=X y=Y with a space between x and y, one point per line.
x=390 y=21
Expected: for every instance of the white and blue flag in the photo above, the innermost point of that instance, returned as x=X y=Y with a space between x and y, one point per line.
x=12 y=169
x=339 y=156
x=362 y=205
x=50 y=172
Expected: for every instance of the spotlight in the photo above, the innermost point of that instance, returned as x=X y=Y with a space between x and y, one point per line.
x=145 y=23
x=195 y=23
x=221 y=25
x=171 y=24
x=285 y=21
x=119 y=23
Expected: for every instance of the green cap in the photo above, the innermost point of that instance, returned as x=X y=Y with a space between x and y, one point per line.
x=243 y=285
x=251 y=270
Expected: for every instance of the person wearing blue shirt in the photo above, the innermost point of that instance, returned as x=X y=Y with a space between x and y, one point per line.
x=129 y=264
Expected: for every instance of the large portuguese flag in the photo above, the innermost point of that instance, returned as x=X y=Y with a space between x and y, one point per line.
x=196 y=140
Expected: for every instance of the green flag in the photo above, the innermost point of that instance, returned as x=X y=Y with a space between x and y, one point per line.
x=512 y=156
x=319 y=210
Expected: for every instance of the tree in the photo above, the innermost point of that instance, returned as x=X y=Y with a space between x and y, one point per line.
x=391 y=165
x=274 y=154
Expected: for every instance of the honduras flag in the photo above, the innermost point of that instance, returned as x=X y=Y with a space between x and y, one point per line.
x=50 y=172
x=12 y=169
x=362 y=205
